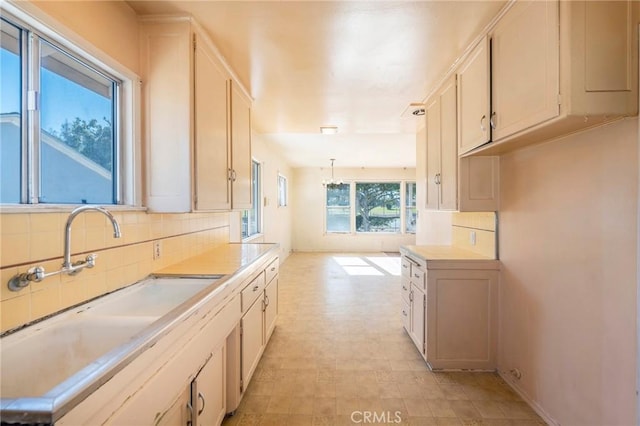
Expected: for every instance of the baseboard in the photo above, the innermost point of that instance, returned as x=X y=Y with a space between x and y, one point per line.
x=534 y=405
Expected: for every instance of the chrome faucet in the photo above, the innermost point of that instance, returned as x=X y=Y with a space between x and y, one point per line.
x=19 y=281
x=67 y=266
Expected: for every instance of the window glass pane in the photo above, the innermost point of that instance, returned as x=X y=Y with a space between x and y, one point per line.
x=77 y=131
x=378 y=207
x=251 y=218
x=411 y=211
x=10 y=113
x=338 y=207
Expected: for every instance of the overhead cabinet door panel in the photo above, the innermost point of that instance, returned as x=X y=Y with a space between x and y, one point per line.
x=525 y=67
x=211 y=156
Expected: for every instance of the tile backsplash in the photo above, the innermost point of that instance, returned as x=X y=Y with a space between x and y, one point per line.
x=483 y=226
x=36 y=239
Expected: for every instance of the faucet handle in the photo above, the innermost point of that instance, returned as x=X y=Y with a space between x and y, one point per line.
x=91 y=260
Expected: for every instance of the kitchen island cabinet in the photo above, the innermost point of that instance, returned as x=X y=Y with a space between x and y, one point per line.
x=456 y=328
x=196 y=120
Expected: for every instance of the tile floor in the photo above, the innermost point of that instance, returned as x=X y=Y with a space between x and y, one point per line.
x=339 y=356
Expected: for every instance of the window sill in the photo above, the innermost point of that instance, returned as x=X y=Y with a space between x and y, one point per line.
x=253 y=238
x=62 y=208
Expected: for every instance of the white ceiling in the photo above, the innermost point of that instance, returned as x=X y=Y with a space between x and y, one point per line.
x=353 y=64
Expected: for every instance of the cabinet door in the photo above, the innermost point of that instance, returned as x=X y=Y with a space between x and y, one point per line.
x=271 y=308
x=178 y=413
x=432 y=195
x=448 y=148
x=208 y=391
x=417 y=318
x=240 y=149
x=212 y=174
x=474 y=108
x=525 y=69
x=167 y=86
x=252 y=339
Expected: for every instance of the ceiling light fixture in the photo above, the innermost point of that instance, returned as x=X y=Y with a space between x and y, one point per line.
x=415 y=109
x=332 y=183
x=328 y=130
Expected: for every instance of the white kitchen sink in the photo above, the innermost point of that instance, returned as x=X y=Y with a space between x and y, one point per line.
x=70 y=347
x=35 y=361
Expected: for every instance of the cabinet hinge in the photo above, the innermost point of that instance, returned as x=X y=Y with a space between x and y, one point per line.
x=424 y=303
x=241 y=385
x=194 y=42
x=241 y=330
x=559 y=99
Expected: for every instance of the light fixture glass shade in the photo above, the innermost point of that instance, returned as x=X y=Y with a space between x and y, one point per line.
x=332 y=183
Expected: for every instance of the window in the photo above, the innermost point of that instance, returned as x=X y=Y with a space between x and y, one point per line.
x=251 y=221
x=410 y=208
x=378 y=207
x=384 y=207
x=60 y=140
x=338 y=207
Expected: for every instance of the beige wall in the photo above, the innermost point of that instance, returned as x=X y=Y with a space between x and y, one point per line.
x=110 y=26
x=307 y=199
x=568 y=245
x=276 y=226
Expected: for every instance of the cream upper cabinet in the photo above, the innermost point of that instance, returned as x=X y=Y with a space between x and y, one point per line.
x=194 y=137
x=441 y=185
x=556 y=67
x=525 y=67
x=453 y=183
x=212 y=150
x=241 y=149
x=474 y=108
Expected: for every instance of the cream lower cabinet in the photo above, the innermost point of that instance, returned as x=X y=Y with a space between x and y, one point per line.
x=247 y=342
x=451 y=311
x=208 y=392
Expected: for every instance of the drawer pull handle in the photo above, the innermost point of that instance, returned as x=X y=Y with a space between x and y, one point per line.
x=273 y=268
x=404 y=313
x=411 y=296
x=416 y=275
x=201 y=399
x=256 y=288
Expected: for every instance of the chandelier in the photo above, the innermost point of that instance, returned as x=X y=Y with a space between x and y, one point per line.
x=332 y=183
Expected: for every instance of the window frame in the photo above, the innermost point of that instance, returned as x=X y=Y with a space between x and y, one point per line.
x=127 y=151
x=257 y=205
x=283 y=191
x=352 y=207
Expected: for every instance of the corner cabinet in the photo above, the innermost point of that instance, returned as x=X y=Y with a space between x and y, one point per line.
x=197 y=123
x=555 y=67
x=450 y=182
x=449 y=309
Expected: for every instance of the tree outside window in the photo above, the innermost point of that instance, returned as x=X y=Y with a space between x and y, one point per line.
x=378 y=207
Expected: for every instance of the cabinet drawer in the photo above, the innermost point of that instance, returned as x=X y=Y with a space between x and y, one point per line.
x=406 y=267
x=418 y=277
x=405 y=314
x=252 y=291
x=405 y=288
x=272 y=270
